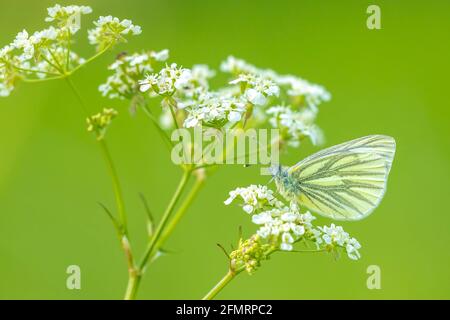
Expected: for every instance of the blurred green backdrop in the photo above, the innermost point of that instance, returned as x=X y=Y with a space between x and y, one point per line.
x=391 y=81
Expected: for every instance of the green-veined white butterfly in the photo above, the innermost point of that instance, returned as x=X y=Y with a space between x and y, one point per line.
x=344 y=182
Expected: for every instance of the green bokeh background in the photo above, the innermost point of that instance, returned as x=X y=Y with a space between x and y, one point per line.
x=392 y=81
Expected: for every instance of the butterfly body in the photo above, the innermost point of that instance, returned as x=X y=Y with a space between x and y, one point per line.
x=287 y=185
x=344 y=182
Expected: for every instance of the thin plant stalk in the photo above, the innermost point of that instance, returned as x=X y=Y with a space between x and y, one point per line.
x=120 y=203
x=231 y=274
x=133 y=272
x=133 y=285
x=163 y=134
x=158 y=232
x=77 y=95
x=221 y=284
x=134 y=281
x=199 y=182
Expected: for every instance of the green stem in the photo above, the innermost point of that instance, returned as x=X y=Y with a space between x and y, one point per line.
x=52 y=64
x=90 y=59
x=77 y=94
x=180 y=212
x=44 y=79
x=221 y=284
x=163 y=134
x=61 y=68
x=116 y=186
x=155 y=238
x=230 y=276
x=36 y=71
x=68 y=49
x=133 y=273
x=133 y=284
x=134 y=279
x=174 y=116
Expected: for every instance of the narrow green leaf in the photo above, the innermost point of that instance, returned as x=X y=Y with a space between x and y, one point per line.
x=150 y=219
x=113 y=220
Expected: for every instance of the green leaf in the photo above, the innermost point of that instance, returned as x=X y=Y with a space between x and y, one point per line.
x=113 y=220
x=150 y=219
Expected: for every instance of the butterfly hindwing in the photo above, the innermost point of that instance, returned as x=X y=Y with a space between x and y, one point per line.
x=347 y=181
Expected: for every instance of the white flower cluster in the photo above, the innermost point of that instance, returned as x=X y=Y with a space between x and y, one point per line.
x=255 y=97
x=296 y=120
x=304 y=92
x=238 y=66
x=282 y=226
x=128 y=70
x=254 y=197
x=43 y=52
x=167 y=81
x=285 y=225
x=336 y=236
x=67 y=17
x=256 y=88
x=7 y=72
x=295 y=125
x=212 y=109
x=301 y=92
x=111 y=30
x=47 y=53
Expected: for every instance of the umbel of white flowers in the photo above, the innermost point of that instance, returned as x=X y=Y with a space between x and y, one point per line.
x=48 y=53
x=283 y=226
x=253 y=97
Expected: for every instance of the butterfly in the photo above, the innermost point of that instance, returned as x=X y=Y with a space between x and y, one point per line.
x=343 y=182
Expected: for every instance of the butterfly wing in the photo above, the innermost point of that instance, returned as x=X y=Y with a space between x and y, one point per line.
x=346 y=181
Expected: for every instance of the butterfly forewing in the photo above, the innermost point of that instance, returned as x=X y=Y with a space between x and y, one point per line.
x=347 y=181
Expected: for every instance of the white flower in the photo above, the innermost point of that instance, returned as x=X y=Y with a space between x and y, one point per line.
x=67 y=17
x=257 y=88
x=286 y=246
x=289 y=216
x=298 y=230
x=314 y=94
x=110 y=30
x=234 y=116
x=306 y=219
x=334 y=235
x=255 y=97
x=264 y=232
x=248 y=208
x=352 y=248
x=282 y=226
x=167 y=81
x=128 y=70
x=287 y=238
x=295 y=124
x=23 y=42
x=236 y=66
x=166 y=119
x=201 y=73
x=262 y=218
x=50 y=33
x=256 y=196
x=213 y=109
x=302 y=91
x=162 y=55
